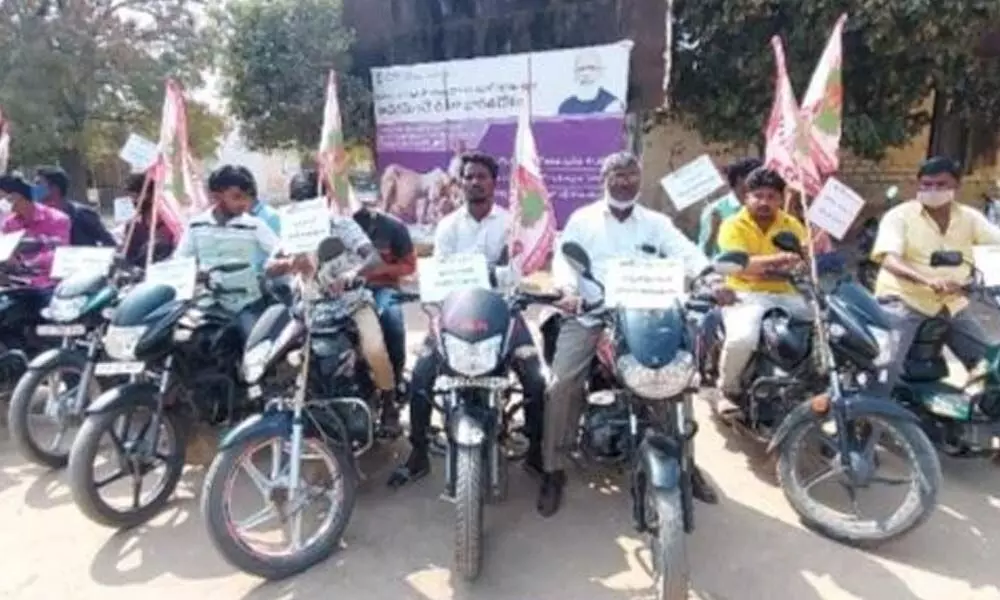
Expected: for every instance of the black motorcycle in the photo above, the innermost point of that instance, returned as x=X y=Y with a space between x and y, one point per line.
x=304 y=361
x=183 y=357
x=21 y=307
x=639 y=414
x=812 y=380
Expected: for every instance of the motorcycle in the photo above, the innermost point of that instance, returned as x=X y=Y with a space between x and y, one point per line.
x=181 y=357
x=962 y=422
x=78 y=314
x=639 y=414
x=832 y=361
x=867 y=268
x=303 y=359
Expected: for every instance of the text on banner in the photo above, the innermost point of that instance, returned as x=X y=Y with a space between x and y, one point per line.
x=440 y=276
x=643 y=283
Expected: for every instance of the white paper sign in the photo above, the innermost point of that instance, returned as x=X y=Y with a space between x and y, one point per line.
x=8 y=243
x=987 y=260
x=440 y=276
x=76 y=260
x=139 y=152
x=178 y=273
x=304 y=225
x=643 y=283
x=835 y=208
x=693 y=182
x=124 y=209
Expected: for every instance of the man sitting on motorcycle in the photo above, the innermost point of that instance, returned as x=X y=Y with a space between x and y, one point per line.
x=613 y=227
x=45 y=228
x=163 y=239
x=86 y=227
x=479 y=227
x=910 y=289
x=718 y=211
x=763 y=285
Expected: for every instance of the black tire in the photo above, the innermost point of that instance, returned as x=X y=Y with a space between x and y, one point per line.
x=20 y=409
x=81 y=469
x=672 y=572
x=214 y=510
x=869 y=533
x=469 y=491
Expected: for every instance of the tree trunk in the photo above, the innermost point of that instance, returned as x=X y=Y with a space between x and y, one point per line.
x=75 y=165
x=949 y=134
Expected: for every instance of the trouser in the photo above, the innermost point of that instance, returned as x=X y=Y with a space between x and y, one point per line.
x=576 y=346
x=373 y=347
x=390 y=315
x=965 y=337
x=525 y=365
x=742 y=324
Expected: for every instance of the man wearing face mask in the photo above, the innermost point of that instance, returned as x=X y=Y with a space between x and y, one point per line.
x=910 y=289
x=44 y=229
x=52 y=185
x=610 y=228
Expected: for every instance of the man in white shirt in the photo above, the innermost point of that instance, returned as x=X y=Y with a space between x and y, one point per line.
x=612 y=227
x=480 y=226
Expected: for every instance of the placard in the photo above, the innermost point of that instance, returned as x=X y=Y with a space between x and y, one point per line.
x=8 y=243
x=835 y=208
x=178 y=273
x=442 y=275
x=987 y=260
x=694 y=181
x=643 y=283
x=124 y=209
x=139 y=152
x=304 y=225
x=76 y=260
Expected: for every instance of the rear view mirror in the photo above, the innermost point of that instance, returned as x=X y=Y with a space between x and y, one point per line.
x=577 y=257
x=29 y=246
x=787 y=242
x=947 y=258
x=329 y=249
x=729 y=263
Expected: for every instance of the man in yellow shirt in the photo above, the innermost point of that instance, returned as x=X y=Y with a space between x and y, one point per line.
x=910 y=289
x=763 y=285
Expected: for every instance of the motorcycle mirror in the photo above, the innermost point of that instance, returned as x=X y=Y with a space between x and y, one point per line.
x=29 y=246
x=892 y=192
x=577 y=257
x=330 y=248
x=947 y=258
x=787 y=242
x=729 y=263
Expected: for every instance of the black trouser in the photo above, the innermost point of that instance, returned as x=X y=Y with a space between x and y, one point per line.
x=528 y=371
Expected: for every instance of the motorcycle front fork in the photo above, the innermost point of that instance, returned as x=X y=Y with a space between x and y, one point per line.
x=86 y=377
x=491 y=445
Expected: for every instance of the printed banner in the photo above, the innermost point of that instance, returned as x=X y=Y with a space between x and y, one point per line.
x=426 y=114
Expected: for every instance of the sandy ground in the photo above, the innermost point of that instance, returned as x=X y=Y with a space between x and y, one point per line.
x=399 y=544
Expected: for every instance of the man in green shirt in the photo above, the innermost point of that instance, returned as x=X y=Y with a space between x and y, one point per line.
x=719 y=210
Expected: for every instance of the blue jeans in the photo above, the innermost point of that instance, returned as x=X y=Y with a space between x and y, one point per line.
x=390 y=316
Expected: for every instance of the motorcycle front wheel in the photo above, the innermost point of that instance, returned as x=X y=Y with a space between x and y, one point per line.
x=668 y=544
x=327 y=487
x=907 y=444
x=125 y=435
x=469 y=499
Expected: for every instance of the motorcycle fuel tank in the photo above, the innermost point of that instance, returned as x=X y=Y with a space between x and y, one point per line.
x=653 y=337
x=475 y=315
x=140 y=304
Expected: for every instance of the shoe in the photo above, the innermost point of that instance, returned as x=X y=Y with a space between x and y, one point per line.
x=701 y=489
x=389 y=426
x=417 y=466
x=550 y=494
x=533 y=462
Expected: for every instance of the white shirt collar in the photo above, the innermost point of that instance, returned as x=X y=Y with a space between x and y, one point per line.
x=467 y=214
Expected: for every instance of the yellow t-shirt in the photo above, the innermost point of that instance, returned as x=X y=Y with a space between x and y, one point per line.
x=740 y=233
x=907 y=230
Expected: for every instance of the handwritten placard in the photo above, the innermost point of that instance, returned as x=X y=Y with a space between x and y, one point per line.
x=693 y=182
x=124 y=209
x=440 y=276
x=643 y=283
x=304 y=225
x=987 y=261
x=139 y=152
x=8 y=243
x=76 y=260
x=178 y=273
x=835 y=208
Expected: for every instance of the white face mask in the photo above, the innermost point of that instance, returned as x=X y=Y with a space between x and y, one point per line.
x=619 y=205
x=935 y=198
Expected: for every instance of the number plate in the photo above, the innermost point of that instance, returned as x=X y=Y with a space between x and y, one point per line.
x=60 y=330
x=119 y=368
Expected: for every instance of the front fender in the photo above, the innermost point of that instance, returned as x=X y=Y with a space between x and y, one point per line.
x=659 y=459
x=138 y=394
x=270 y=424
x=46 y=358
x=466 y=430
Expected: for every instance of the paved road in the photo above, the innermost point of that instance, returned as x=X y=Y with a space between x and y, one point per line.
x=398 y=545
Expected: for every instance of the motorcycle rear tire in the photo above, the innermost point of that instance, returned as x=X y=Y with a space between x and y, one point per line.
x=672 y=572
x=864 y=534
x=469 y=499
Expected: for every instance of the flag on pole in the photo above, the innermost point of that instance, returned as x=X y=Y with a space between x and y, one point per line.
x=179 y=192
x=787 y=150
x=332 y=156
x=533 y=228
x=4 y=143
x=822 y=106
x=668 y=51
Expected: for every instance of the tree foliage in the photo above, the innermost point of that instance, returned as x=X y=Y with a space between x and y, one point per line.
x=896 y=53
x=276 y=59
x=76 y=76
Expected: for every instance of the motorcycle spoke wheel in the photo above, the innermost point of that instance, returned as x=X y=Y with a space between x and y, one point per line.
x=42 y=414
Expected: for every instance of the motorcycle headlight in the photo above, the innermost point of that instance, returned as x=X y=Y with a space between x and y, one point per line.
x=885 y=345
x=120 y=342
x=63 y=310
x=472 y=359
x=254 y=361
x=657 y=384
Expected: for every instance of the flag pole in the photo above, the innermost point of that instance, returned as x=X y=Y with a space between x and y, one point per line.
x=152 y=230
